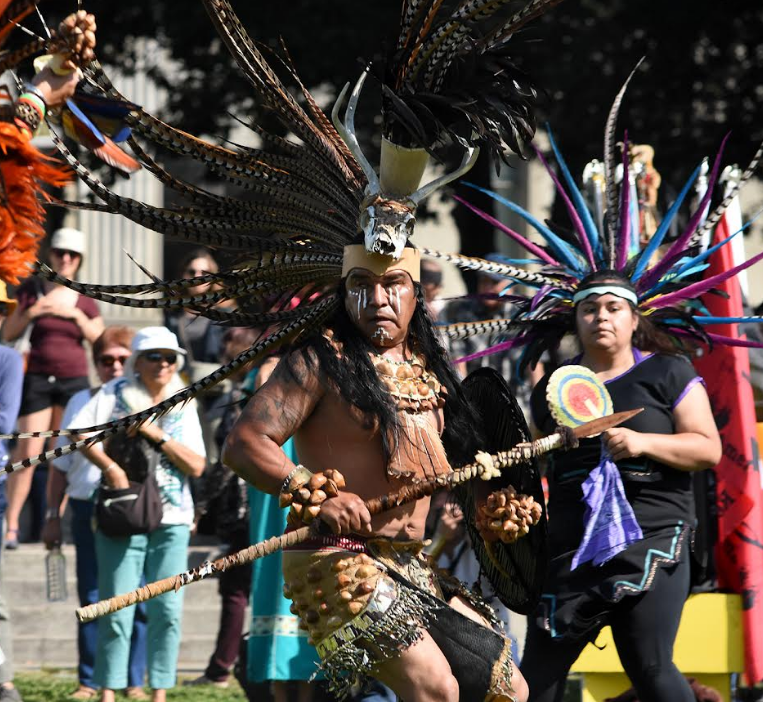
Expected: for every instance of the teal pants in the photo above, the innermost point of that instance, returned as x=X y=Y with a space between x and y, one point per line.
x=121 y=562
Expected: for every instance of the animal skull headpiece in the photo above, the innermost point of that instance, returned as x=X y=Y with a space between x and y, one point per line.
x=388 y=211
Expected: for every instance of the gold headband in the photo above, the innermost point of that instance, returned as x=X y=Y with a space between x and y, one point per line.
x=356 y=256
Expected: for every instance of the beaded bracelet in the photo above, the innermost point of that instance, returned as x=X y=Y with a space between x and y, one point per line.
x=30 y=110
x=31 y=89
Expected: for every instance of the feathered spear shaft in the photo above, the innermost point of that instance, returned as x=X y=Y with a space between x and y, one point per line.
x=485 y=467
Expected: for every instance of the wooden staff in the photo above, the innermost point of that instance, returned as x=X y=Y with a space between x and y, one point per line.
x=485 y=466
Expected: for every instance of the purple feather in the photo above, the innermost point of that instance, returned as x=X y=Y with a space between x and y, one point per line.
x=691 y=291
x=720 y=339
x=654 y=274
x=532 y=248
x=732 y=341
x=539 y=297
x=624 y=240
x=503 y=346
x=486 y=296
x=574 y=216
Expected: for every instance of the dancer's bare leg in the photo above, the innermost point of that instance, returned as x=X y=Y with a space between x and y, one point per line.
x=420 y=673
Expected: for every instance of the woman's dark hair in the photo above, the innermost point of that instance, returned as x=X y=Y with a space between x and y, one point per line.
x=112 y=336
x=352 y=374
x=606 y=276
x=192 y=256
x=647 y=336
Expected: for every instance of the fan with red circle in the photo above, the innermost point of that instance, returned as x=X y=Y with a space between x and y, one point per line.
x=576 y=396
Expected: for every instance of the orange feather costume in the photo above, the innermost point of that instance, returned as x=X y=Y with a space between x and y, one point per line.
x=24 y=172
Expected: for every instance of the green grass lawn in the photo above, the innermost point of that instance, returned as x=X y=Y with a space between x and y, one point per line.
x=56 y=686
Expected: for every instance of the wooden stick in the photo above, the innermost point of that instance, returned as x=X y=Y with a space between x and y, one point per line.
x=485 y=466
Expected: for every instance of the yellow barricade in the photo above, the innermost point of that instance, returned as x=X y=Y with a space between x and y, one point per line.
x=709 y=647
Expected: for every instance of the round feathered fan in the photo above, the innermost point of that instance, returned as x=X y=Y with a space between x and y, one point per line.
x=516 y=571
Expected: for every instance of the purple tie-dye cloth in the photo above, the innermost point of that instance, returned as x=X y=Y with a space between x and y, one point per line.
x=610 y=524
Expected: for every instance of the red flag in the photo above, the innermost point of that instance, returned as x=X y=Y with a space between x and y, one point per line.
x=726 y=370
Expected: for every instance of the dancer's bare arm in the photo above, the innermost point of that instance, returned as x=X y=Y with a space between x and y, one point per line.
x=277 y=410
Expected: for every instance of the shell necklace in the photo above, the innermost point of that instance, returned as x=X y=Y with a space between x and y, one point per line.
x=413 y=387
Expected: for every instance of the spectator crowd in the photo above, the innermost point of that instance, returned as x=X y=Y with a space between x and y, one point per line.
x=60 y=368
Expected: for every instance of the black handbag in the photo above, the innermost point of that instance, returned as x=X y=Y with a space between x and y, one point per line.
x=136 y=509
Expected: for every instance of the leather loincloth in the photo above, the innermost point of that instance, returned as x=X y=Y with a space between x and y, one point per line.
x=364 y=601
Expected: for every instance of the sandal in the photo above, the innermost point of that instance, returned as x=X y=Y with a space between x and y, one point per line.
x=136 y=693
x=83 y=692
x=12 y=542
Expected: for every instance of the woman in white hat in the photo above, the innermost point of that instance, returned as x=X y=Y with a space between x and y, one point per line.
x=151 y=375
x=53 y=323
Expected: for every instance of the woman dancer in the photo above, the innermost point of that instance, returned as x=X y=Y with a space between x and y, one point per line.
x=641 y=591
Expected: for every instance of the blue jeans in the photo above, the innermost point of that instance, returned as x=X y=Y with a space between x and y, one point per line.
x=122 y=563
x=375 y=692
x=87 y=590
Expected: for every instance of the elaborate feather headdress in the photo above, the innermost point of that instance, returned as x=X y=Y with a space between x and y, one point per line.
x=305 y=201
x=91 y=120
x=24 y=171
x=663 y=275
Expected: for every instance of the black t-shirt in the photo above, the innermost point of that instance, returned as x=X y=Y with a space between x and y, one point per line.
x=660 y=495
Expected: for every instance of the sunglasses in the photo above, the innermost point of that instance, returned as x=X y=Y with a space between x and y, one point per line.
x=64 y=252
x=195 y=272
x=109 y=361
x=158 y=357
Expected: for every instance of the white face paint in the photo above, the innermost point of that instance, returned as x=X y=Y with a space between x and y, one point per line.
x=361 y=300
x=381 y=336
x=394 y=298
x=356 y=295
x=381 y=306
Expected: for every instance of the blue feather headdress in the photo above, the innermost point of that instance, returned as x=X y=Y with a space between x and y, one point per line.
x=664 y=275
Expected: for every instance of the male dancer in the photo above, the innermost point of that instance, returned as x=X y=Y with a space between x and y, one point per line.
x=371 y=397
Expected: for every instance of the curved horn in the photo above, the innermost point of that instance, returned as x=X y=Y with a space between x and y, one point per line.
x=469 y=159
x=347 y=130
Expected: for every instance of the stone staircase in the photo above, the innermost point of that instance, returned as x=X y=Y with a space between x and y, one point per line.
x=45 y=633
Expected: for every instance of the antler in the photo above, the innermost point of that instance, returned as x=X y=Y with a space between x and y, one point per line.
x=347 y=131
x=469 y=159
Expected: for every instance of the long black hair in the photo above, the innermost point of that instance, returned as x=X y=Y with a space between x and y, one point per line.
x=345 y=364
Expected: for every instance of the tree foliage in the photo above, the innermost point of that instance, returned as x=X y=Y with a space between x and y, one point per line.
x=702 y=77
x=328 y=42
